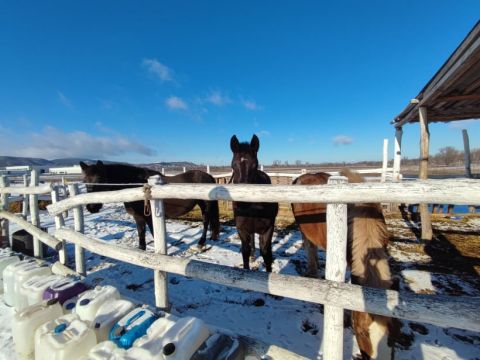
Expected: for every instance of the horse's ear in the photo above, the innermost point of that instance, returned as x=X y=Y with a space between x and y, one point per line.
x=255 y=143
x=234 y=144
x=83 y=166
x=100 y=163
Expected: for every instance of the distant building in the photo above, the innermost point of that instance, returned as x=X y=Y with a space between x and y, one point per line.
x=75 y=169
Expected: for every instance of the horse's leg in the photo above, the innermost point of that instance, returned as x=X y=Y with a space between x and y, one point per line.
x=246 y=247
x=266 y=247
x=203 y=238
x=312 y=257
x=141 y=227
x=213 y=219
x=252 y=247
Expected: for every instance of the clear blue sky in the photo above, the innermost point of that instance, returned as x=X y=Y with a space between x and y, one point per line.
x=148 y=81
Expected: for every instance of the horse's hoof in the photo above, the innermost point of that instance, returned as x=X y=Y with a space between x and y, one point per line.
x=252 y=258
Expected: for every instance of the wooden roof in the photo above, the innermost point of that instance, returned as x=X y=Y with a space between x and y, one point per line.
x=454 y=91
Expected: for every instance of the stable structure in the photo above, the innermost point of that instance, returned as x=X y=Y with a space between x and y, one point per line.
x=452 y=94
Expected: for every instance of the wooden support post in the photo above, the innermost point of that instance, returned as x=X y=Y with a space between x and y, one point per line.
x=466 y=152
x=184 y=169
x=423 y=174
x=261 y=167
x=64 y=195
x=163 y=171
x=34 y=215
x=208 y=169
x=59 y=222
x=385 y=160
x=160 y=243
x=79 y=227
x=335 y=270
x=4 y=231
x=25 y=198
x=398 y=154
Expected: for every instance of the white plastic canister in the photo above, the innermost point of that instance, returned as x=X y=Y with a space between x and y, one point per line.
x=27 y=321
x=184 y=338
x=32 y=290
x=65 y=338
x=107 y=315
x=26 y=273
x=90 y=301
x=9 y=279
x=6 y=258
x=106 y=350
x=152 y=341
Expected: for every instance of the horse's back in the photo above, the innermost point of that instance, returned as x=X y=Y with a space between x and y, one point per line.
x=191 y=177
x=311 y=217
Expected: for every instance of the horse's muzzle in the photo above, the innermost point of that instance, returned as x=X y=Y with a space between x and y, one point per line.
x=94 y=208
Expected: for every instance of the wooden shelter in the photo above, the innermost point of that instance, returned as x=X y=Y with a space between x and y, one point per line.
x=452 y=94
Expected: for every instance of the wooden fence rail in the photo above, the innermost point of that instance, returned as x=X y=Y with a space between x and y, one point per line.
x=430 y=191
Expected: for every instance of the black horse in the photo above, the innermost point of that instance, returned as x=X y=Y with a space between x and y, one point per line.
x=127 y=174
x=252 y=218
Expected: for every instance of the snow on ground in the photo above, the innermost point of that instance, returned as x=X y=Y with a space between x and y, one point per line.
x=291 y=324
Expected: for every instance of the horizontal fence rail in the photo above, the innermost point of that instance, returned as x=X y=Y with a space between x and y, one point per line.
x=28 y=190
x=466 y=192
x=44 y=237
x=441 y=310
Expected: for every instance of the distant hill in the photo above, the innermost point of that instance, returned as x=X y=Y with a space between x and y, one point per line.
x=13 y=161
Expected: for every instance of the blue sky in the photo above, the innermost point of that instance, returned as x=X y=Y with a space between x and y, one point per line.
x=149 y=81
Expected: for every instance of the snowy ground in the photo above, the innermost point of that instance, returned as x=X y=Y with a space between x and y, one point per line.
x=290 y=324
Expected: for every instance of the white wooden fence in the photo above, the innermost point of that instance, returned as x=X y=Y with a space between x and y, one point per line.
x=446 y=311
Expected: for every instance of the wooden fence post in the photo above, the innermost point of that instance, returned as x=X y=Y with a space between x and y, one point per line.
x=397 y=157
x=34 y=216
x=335 y=270
x=208 y=169
x=64 y=195
x=184 y=169
x=79 y=227
x=385 y=160
x=425 y=218
x=160 y=244
x=4 y=231
x=25 y=198
x=59 y=223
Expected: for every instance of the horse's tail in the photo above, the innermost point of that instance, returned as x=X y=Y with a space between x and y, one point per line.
x=368 y=235
x=213 y=219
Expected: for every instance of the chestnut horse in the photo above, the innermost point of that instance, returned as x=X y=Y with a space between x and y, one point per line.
x=123 y=176
x=251 y=218
x=366 y=255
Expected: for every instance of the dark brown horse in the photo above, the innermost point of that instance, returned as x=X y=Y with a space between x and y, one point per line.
x=252 y=218
x=101 y=173
x=366 y=255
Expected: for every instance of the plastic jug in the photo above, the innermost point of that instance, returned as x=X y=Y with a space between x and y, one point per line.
x=70 y=305
x=184 y=338
x=107 y=315
x=220 y=347
x=9 y=279
x=107 y=350
x=89 y=302
x=24 y=274
x=27 y=321
x=6 y=258
x=32 y=290
x=132 y=326
x=151 y=342
x=64 y=290
x=65 y=338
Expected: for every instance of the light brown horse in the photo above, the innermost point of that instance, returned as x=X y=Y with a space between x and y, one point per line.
x=366 y=255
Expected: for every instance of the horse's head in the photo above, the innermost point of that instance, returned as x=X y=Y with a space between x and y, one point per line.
x=244 y=162
x=93 y=174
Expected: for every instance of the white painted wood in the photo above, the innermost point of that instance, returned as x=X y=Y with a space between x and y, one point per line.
x=29 y=190
x=64 y=194
x=184 y=169
x=4 y=205
x=60 y=269
x=261 y=167
x=34 y=215
x=163 y=171
x=160 y=278
x=467 y=191
x=425 y=218
x=25 y=198
x=335 y=269
x=385 y=160
x=59 y=222
x=35 y=231
x=208 y=169
x=446 y=311
x=79 y=226
x=397 y=157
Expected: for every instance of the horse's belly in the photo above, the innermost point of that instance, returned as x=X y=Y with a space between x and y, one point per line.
x=254 y=225
x=175 y=208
